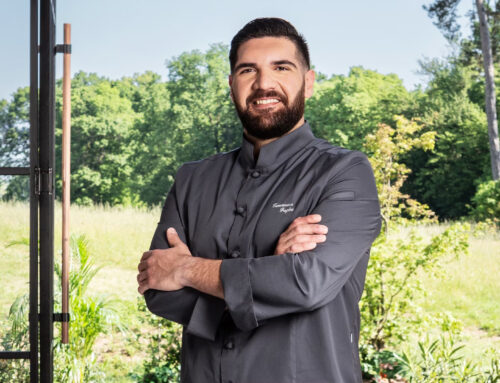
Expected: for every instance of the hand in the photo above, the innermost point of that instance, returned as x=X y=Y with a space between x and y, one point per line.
x=302 y=234
x=162 y=269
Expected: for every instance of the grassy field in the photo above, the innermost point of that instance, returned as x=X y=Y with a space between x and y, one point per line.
x=470 y=289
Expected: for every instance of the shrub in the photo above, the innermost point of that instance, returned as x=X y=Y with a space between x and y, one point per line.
x=486 y=201
x=16 y=338
x=90 y=317
x=163 y=364
x=392 y=280
x=399 y=254
x=440 y=360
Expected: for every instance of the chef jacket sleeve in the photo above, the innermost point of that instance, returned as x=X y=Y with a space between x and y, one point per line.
x=200 y=312
x=257 y=289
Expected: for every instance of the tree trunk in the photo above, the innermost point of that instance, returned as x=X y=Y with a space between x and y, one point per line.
x=490 y=96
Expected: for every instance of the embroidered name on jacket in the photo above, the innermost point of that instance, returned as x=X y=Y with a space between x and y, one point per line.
x=284 y=207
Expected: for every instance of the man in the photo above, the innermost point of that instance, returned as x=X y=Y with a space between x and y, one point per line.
x=265 y=293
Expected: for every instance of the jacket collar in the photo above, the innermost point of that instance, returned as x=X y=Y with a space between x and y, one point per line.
x=275 y=153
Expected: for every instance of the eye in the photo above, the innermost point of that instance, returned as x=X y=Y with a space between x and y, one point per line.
x=246 y=70
x=281 y=68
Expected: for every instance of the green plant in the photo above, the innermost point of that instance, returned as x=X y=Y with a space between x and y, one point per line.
x=16 y=338
x=90 y=317
x=399 y=254
x=164 y=349
x=386 y=146
x=392 y=280
x=441 y=360
x=375 y=363
x=492 y=373
x=486 y=202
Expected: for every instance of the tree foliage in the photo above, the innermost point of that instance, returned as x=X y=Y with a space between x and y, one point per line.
x=101 y=126
x=444 y=178
x=344 y=109
x=386 y=147
x=486 y=202
x=130 y=136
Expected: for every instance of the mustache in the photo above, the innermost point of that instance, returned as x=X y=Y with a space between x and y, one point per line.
x=263 y=93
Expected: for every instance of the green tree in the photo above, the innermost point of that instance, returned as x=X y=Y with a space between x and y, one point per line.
x=203 y=119
x=386 y=147
x=197 y=120
x=101 y=128
x=344 y=109
x=153 y=159
x=187 y=118
x=400 y=252
x=486 y=201
x=485 y=39
x=445 y=178
x=14 y=142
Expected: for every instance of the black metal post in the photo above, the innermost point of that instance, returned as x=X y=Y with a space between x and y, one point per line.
x=34 y=164
x=46 y=198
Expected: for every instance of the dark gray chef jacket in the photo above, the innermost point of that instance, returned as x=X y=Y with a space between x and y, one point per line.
x=287 y=318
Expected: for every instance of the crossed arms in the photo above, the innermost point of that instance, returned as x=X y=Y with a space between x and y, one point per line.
x=305 y=274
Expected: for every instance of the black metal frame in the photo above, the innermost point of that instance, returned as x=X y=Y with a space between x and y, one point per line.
x=34 y=164
x=42 y=160
x=46 y=197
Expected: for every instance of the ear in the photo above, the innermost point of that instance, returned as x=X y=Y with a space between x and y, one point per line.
x=230 y=80
x=310 y=76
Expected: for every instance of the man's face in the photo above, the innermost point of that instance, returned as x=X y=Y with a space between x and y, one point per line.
x=269 y=85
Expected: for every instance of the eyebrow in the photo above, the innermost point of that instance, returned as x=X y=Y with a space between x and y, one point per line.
x=284 y=62
x=253 y=65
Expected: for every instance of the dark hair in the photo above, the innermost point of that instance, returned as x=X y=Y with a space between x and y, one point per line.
x=268 y=27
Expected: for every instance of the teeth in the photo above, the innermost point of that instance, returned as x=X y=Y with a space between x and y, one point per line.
x=268 y=101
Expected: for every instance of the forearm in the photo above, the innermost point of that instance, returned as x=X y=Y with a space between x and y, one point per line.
x=203 y=275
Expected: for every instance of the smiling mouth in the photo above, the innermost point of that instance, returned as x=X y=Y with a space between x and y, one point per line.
x=266 y=101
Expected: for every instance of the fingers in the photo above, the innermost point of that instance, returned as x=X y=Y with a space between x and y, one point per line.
x=304 y=233
x=143 y=283
x=146 y=255
x=299 y=226
x=303 y=242
x=310 y=238
x=143 y=265
x=172 y=237
x=142 y=288
x=309 y=229
x=141 y=277
x=300 y=247
x=311 y=218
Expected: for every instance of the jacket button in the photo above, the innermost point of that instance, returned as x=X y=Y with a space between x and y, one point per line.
x=240 y=210
x=255 y=174
x=229 y=345
x=235 y=254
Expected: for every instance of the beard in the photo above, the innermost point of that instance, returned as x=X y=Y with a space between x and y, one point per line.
x=265 y=124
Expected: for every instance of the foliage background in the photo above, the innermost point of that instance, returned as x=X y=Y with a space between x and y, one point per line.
x=129 y=136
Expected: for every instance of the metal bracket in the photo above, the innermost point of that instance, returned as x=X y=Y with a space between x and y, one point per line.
x=63 y=48
x=60 y=317
x=42 y=175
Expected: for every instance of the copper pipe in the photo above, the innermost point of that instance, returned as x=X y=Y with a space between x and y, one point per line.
x=66 y=162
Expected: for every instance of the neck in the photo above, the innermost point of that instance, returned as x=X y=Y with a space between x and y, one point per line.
x=259 y=143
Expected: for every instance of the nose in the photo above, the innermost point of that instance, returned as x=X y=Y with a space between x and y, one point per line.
x=264 y=80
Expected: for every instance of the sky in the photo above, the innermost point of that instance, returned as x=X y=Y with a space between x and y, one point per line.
x=116 y=38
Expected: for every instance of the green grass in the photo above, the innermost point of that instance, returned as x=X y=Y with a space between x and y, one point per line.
x=469 y=288
x=117 y=238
